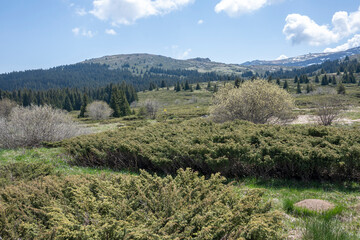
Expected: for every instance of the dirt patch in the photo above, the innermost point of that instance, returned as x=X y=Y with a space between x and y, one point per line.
x=315 y=205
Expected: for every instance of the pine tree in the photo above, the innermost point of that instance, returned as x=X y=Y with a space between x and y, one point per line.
x=324 y=80
x=298 y=89
x=215 y=88
x=286 y=85
x=317 y=80
x=115 y=102
x=237 y=82
x=209 y=86
x=162 y=85
x=83 y=106
x=278 y=81
x=187 y=86
x=296 y=79
x=198 y=86
x=67 y=104
x=177 y=87
x=333 y=81
x=124 y=105
x=270 y=78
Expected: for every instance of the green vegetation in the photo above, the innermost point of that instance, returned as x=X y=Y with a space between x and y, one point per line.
x=235 y=149
x=134 y=207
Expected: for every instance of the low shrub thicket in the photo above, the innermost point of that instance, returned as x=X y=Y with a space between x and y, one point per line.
x=134 y=207
x=235 y=149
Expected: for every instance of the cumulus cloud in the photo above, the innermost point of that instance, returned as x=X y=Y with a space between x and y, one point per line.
x=128 y=11
x=76 y=31
x=281 y=57
x=235 y=8
x=200 y=21
x=110 y=31
x=299 y=28
x=83 y=32
x=81 y=12
x=351 y=43
x=185 y=54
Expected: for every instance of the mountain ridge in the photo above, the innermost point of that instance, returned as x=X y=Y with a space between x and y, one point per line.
x=306 y=59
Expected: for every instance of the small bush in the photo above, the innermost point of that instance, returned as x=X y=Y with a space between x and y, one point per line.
x=134 y=207
x=256 y=101
x=27 y=127
x=6 y=106
x=99 y=110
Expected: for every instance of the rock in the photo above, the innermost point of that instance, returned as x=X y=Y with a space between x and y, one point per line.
x=315 y=205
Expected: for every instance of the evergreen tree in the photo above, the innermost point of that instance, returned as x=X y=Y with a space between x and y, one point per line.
x=270 y=78
x=278 y=81
x=317 y=80
x=308 y=89
x=333 y=81
x=83 y=106
x=215 y=88
x=324 y=80
x=177 y=87
x=298 y=89
x=198 y=86
x=296 y=79
x=162 y=85
x=209 y=86
x=124 y=105
x=115 y=102
x=237 y=82
x=286 y=85
x=187 y=86
x=67 y=104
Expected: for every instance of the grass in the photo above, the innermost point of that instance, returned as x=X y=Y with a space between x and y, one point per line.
x=54 y=156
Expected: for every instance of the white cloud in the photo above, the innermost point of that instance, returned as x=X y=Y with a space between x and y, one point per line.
x=81 y=12
x=351 y=43
x=300 y=28
x=110 y=31
x=83 y=32
x=235 y=8
x=200 y=21
x=128 y=11
x=76 y=31
x=281 y=57
x=185 y=54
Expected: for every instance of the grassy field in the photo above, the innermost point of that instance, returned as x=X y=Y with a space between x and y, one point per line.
x=188 y=105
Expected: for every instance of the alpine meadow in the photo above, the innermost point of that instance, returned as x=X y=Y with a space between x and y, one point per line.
x=180 y=119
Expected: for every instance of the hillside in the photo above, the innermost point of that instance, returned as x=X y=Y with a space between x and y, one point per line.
x=307 y=59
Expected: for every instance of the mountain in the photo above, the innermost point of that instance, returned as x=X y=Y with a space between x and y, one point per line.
x=142 y=62
x=306 y=60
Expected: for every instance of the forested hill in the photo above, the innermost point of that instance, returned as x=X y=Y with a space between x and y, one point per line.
x=93 y=75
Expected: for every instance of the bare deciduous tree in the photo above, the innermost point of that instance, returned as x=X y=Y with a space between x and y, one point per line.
x=6 y=106
x=99 y=110
x=30 y=126
x=329 y=109
x=151 y=107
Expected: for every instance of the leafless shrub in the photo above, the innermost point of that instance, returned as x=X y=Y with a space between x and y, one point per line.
x=99 y=110
x=148 y=109
x=6 y=106
x=27 y=127
x=329 y=109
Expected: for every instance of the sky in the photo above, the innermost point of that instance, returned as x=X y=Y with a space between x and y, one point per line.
x=47 y=33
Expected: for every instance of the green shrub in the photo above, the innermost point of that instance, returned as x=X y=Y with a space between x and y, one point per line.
x=235 y=149
x=13 y=172
x=134 y=207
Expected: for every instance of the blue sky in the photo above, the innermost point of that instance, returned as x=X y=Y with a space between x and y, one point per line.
x=47 y=33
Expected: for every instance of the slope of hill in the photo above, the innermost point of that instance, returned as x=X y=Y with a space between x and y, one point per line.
x=307 y=59
x=141 y=62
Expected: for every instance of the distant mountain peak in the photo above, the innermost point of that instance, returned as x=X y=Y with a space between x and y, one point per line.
x=306 y=59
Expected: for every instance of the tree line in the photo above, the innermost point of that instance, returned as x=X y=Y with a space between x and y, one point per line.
x=118 y=96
